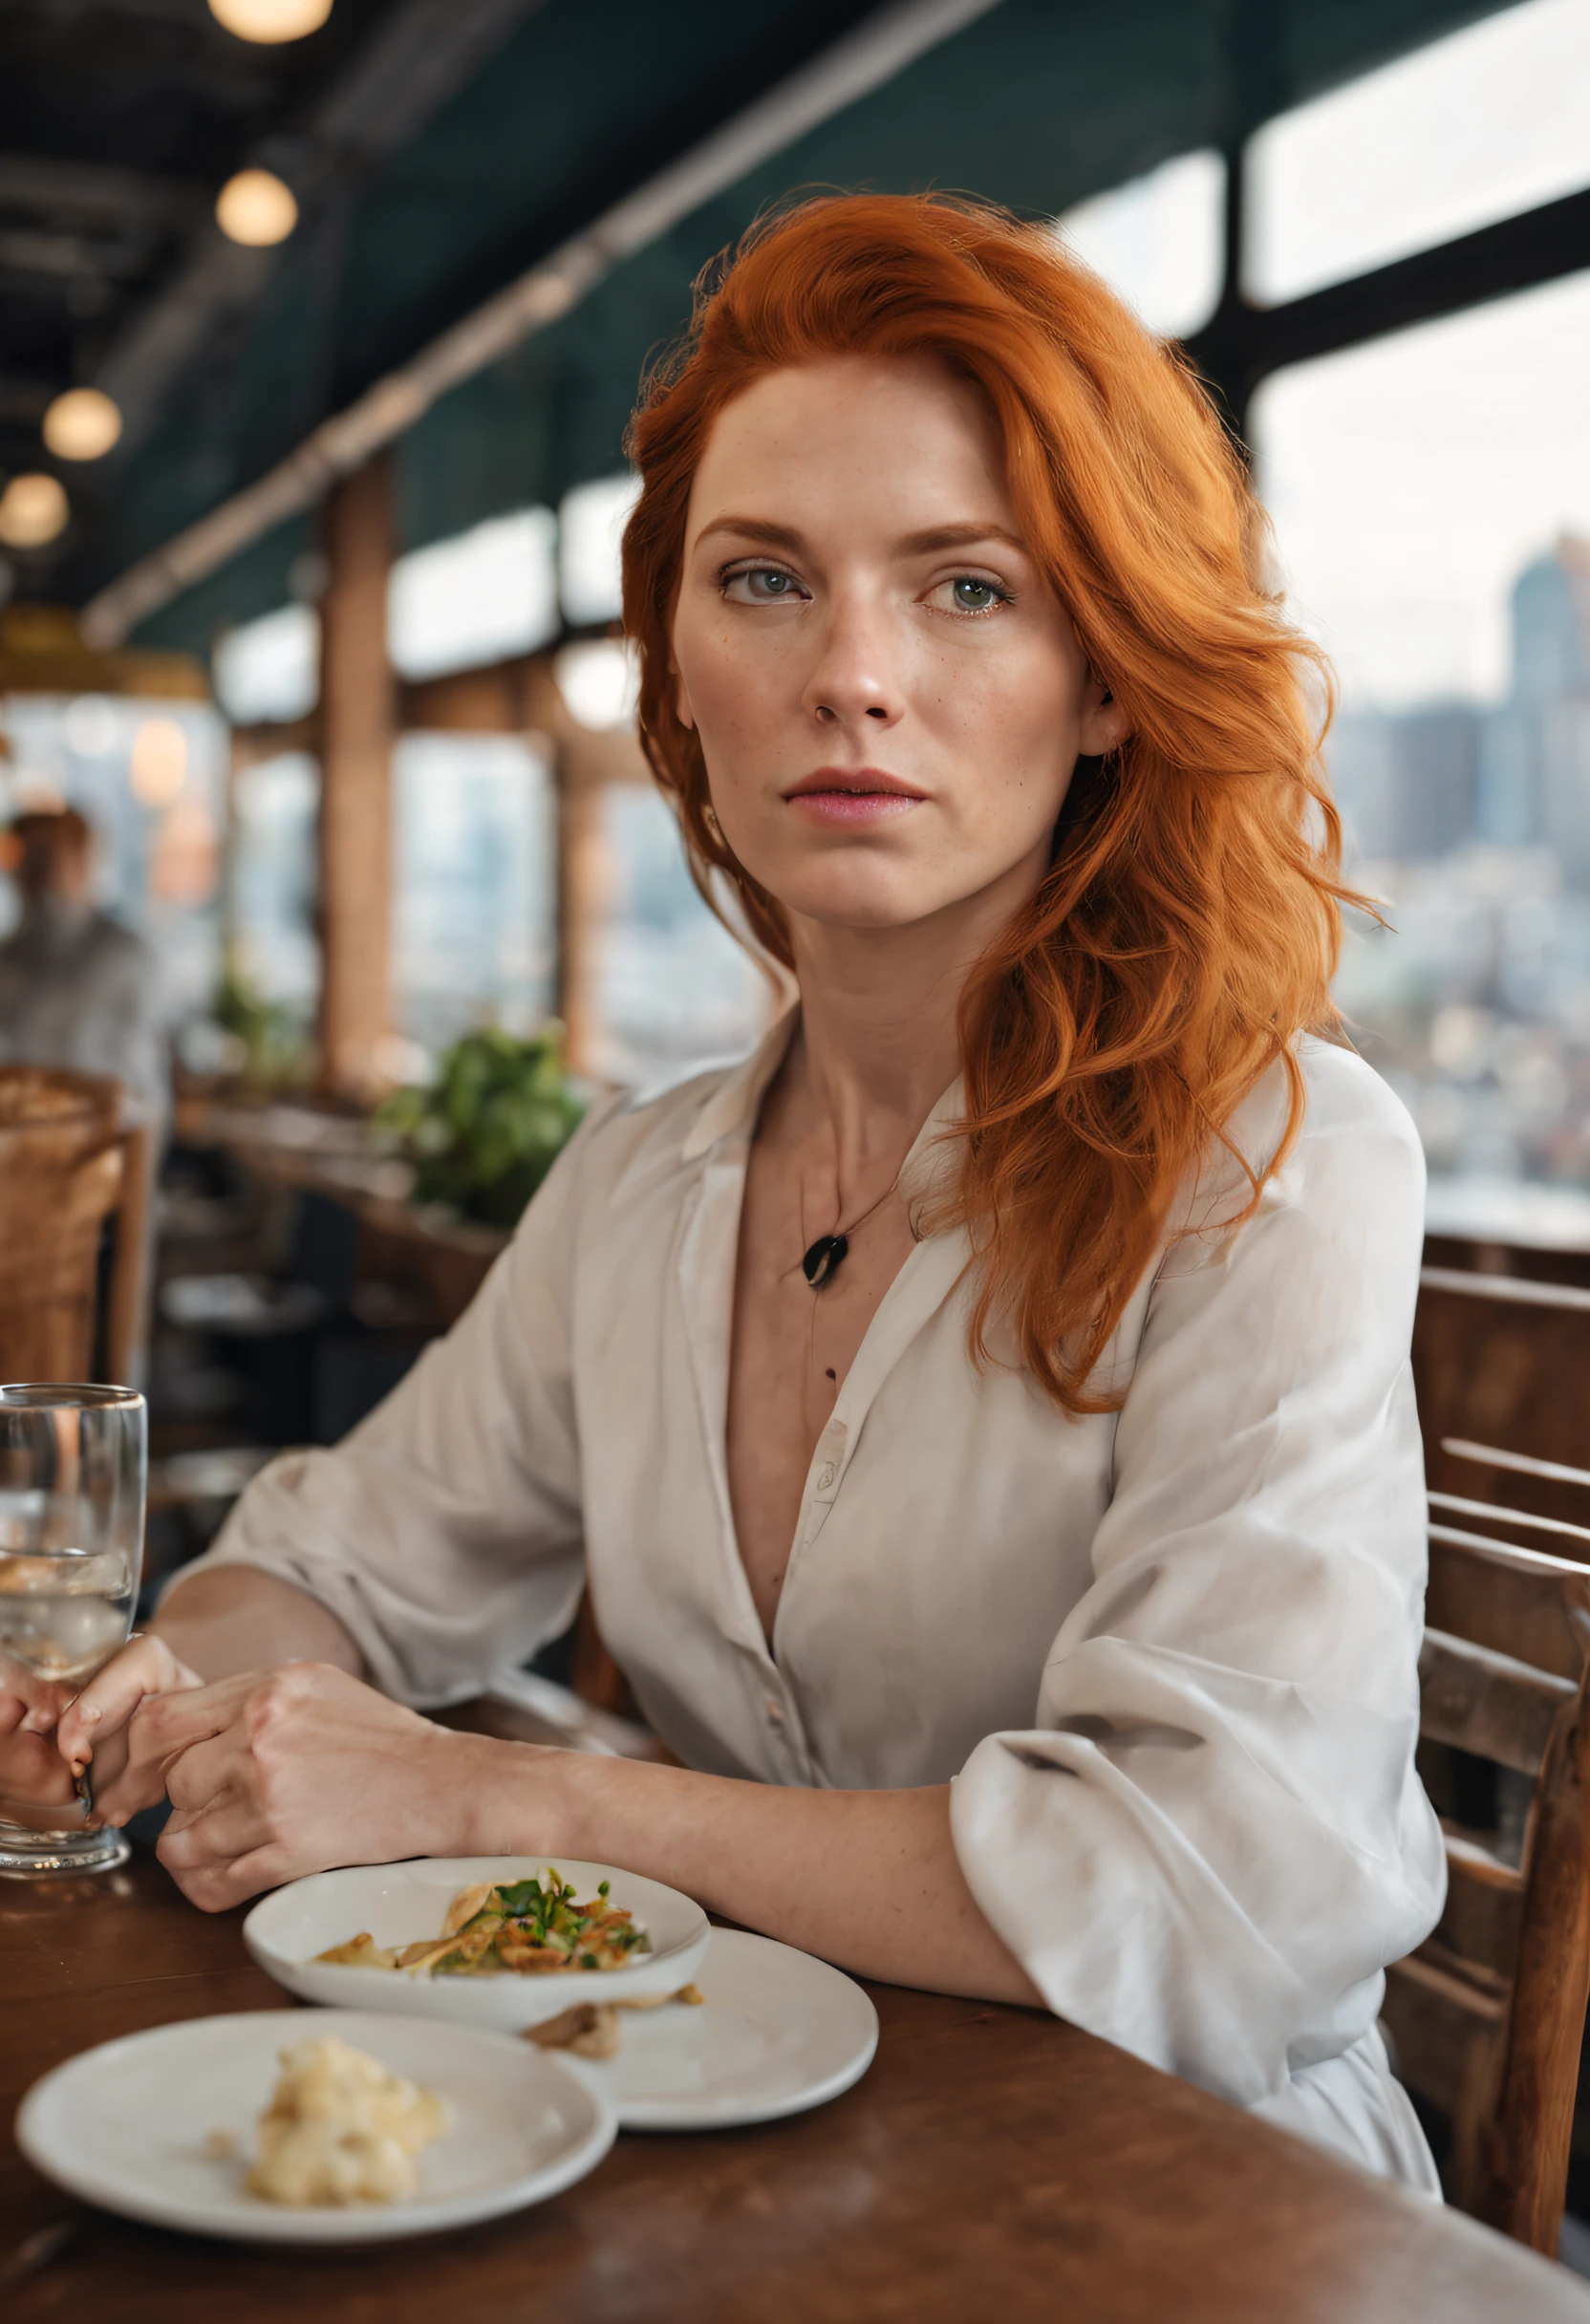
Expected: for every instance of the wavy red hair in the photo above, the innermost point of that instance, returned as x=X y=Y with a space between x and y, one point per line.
x=1188 y=928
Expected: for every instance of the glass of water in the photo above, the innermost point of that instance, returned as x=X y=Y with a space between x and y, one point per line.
x=73 y=1466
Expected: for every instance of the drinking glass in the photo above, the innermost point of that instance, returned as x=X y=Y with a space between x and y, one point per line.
x=73 y=1466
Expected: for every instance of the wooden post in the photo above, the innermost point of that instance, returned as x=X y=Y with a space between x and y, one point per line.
x=359 y=725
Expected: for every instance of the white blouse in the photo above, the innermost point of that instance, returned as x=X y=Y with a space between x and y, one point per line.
x=1166 y=1656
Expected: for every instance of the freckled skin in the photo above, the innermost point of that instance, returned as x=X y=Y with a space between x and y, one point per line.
x=823 y=621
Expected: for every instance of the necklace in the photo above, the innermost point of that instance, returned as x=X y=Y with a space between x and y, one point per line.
x=822 y=1262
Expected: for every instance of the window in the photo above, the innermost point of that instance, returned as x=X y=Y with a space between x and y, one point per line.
x=676 y=990
x=275 y=951
x=1159 y=241
x=270 y=668
x=488 y=594
x=1479 y=126
x=592 y=522
x=1430 y=493
x=474 y=913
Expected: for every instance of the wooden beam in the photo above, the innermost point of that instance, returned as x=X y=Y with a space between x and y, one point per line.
x=501 y=698
x=255 y=746
x=359 y=726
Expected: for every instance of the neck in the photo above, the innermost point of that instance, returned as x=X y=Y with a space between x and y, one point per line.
x=878 y=1041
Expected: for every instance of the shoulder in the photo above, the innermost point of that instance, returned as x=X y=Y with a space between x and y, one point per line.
x=661 y=1123
x=630 y=1142
x=113 y=946
x=1353 y=1151
x=1345 y=1104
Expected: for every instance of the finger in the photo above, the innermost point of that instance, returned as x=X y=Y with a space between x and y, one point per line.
x=218 y=1887
x=229 y=1829
x=157 y=1737
x=29 y=1704
x=145 y=1667
x=206 y=1770
x=191 y=1778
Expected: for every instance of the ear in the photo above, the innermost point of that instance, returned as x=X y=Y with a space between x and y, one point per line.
x=1104 y=726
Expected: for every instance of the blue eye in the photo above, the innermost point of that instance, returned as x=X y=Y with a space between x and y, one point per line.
x=762 y=585
x=975 y=596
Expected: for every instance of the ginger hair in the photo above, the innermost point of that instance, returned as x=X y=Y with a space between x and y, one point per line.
x=1189 y=925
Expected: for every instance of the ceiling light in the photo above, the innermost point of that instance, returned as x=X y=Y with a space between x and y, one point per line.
x=82 y=424
x=270 y=20
x=159 y=763
x=255 y=208
x=33 y=510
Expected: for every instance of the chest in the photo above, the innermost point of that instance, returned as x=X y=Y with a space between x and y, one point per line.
x=791 y=1348
x=946 y=1514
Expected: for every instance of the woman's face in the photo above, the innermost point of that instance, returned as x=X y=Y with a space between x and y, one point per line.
x=890 y=699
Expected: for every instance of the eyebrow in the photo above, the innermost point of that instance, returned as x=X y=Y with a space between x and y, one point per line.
x=915 y=544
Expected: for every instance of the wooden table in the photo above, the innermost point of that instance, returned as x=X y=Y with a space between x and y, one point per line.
x=994 y=2163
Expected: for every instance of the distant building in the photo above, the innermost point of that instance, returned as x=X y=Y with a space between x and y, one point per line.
x=1534 y=756
x=1414 y=786
x=1407 y=781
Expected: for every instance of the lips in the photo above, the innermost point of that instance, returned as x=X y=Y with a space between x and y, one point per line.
x=854 y=783
x=852 y=798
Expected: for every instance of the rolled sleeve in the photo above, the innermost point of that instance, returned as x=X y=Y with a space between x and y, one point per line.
x=1213 y=1839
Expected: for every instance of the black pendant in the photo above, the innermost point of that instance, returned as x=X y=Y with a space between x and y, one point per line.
x=822 y=1260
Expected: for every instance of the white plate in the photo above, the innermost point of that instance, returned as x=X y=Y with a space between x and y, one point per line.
x=399 y=1903
x=126 y=2126
x=777 y=2032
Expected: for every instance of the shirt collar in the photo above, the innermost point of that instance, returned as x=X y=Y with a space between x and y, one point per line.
x=733 y=1104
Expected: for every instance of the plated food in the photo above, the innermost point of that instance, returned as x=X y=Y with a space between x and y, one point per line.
x=529 y=1927
x=164 y=2125
x=398 y=1938
x=340 y=2128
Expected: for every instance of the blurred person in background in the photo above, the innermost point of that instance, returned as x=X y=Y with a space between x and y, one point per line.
x=77 y=988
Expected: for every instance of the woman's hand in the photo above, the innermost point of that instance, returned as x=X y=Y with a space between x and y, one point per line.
x=280 y=1772
x=106 y=1727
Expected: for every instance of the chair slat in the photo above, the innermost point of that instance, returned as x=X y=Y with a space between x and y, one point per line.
x=1447 y=2034
x=1512 y=1601
x=1519 y=1464
x=1484 y=1908
x=1496 y=1513
x=1488 y=1703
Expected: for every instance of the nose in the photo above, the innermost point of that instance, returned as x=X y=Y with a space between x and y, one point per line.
x=854 y=685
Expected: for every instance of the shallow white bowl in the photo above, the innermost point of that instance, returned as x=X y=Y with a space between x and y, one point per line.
x=399 y=1903
x=131 y=2125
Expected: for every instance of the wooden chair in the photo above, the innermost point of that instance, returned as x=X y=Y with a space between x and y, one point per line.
x=66 y=1163
x=1504 y=1361
x=1488 y=2015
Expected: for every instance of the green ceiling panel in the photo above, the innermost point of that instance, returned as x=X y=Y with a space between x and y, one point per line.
x=1035 y=104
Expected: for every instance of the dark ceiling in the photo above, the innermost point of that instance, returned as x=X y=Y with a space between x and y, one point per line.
x=437 y=149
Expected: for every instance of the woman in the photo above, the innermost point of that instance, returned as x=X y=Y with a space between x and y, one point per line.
x=983 y=1418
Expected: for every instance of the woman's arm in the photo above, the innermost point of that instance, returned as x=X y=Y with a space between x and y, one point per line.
x=441 y=1537
x=868 y=1879
x=289 y=1771
x=239 y=1618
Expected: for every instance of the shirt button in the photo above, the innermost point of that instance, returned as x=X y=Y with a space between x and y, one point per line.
x=775 y=1711
x=826 y=1475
